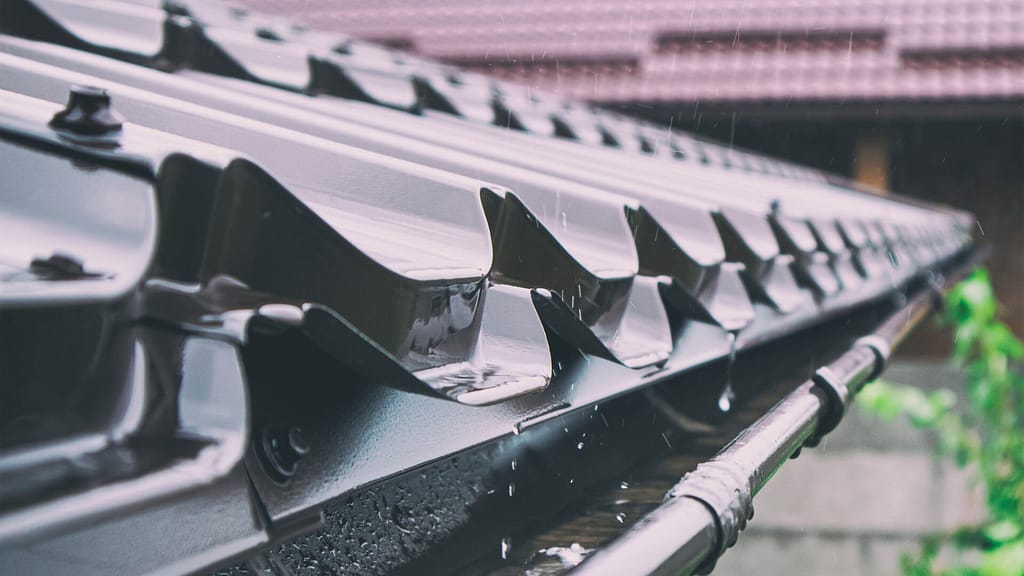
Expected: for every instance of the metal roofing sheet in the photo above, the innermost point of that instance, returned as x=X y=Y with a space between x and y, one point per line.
x=221 y=210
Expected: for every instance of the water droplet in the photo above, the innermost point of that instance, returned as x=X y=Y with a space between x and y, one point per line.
x=572 y=480
x=728 y=395
x=620 y=518
x=570 y=556
x=624 y=485
x=516 y=429
x=506 y=547
x=725 y=400
x=579 y=446
x=513 y=465
x=511 y=489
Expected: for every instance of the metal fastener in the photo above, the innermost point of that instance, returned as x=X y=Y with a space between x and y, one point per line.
x=280 y=451
x=88 y=113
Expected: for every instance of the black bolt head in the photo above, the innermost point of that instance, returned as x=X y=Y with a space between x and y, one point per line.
x=297 y=441
x=58 y=266
x=280 y=451
x=88 y=113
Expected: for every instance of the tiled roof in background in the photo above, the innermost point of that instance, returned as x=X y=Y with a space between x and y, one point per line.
x=708 y=50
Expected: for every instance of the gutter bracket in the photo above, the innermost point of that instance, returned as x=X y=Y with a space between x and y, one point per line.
x=837 y=397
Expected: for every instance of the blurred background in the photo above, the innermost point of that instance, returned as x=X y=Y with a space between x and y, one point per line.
x=921 y=97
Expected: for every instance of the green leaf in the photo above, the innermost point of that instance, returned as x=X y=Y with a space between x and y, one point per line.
x=1006 y=560
x=1003 y=531
x=880 y=398
x=985 y=435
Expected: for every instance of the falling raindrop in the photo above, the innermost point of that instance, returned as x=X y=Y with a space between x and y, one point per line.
x=725 y=400
x=513 y=465
x=624 y=485
x=728 y=395
x=579 y=446
x=506 y=547
x=511 y=489
x=620 y=518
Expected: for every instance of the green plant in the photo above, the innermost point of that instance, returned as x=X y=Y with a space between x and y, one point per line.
x=985 y=435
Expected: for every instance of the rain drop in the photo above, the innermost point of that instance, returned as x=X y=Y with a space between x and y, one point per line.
x=725 y=401
x=728 y=395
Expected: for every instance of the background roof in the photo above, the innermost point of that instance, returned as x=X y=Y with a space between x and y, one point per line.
x=708 y=50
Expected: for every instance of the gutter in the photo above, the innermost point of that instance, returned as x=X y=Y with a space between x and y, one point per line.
x=704 y=513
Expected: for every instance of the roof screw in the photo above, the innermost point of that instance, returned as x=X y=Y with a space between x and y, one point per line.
x=88 y=113
x=176 y=8
x=280 y=451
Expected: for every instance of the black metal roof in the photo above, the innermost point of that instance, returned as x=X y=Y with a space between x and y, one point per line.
x=229 y=226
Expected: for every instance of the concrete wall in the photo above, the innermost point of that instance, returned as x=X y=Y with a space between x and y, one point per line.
x=853 y=505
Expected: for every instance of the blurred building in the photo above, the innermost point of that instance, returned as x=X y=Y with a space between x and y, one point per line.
x=925 y=97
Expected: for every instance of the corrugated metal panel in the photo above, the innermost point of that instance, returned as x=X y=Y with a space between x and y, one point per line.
x=316 y=224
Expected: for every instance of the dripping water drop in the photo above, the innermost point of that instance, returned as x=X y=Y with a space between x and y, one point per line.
x=728 y=394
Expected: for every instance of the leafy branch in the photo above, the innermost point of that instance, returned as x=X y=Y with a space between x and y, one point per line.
x=985 y=435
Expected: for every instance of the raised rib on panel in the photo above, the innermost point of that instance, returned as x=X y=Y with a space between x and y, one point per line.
x=377 y=227
x=591 y=296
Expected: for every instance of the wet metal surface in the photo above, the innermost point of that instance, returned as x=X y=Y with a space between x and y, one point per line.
x=319 y=273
